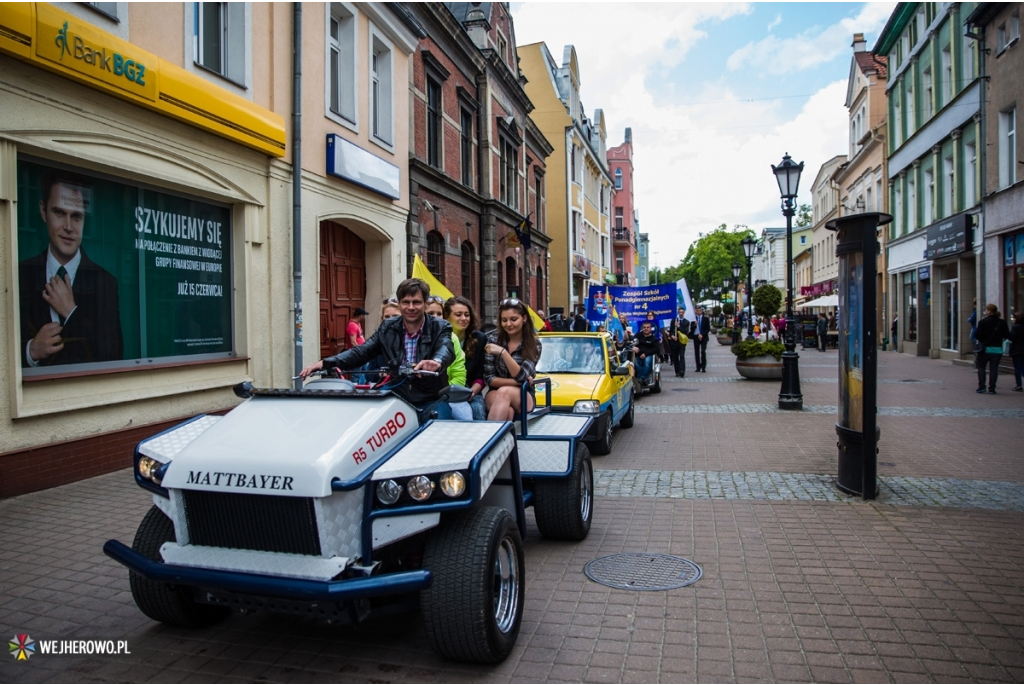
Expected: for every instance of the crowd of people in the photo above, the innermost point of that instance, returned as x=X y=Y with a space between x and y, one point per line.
x=442 y=342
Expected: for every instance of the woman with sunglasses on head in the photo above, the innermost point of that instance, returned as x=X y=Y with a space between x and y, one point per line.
x=457 y=370
x=512 y=353
x=459 y=312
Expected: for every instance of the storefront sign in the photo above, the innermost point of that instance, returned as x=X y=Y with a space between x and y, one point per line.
x=948 y=237
x=149 y=272
x=349 y=161
x=823 y=288
x=924 y=273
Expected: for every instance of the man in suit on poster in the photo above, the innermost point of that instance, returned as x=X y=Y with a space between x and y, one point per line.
x=69 y=304
x=700 y=329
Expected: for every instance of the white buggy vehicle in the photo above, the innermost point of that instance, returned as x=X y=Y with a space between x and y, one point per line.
x=333 y=501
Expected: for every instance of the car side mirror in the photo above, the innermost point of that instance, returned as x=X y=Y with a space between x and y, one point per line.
x=457 y=393
x=621 y=370
x=243 y=390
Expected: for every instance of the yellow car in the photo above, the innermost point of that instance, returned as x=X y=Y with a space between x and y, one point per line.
x=587 y=377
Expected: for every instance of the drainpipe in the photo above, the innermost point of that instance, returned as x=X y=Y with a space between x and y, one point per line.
x=297 y=181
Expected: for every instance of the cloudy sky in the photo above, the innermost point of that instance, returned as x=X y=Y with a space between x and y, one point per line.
x=715 y=94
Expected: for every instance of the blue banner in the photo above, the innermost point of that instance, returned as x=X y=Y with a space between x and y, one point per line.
x=610 y=301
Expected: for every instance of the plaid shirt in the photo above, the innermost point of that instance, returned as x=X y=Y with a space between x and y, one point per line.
x=494 y=366
x=411 y=343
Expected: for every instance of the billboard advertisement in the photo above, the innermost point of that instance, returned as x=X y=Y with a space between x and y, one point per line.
x=112 y=273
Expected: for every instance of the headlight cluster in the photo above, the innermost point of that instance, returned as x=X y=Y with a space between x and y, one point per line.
x=421 y=488
x=586 y=407
x=149 y=469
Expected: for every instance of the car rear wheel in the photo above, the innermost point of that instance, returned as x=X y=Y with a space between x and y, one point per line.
x=564 y=507
x=627 y=420
x=474 y=608
x=163 y=602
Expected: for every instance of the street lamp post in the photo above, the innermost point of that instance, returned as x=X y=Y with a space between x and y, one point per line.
x=787 y=173
x=725 y=294
x=749 y=244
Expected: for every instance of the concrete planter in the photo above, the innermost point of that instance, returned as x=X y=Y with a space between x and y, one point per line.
x=765 y=367
x=725 y=340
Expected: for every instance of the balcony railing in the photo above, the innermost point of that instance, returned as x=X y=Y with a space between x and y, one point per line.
x=623 y=235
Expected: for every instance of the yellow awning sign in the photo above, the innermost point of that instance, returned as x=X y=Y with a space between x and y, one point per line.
x=59 y=42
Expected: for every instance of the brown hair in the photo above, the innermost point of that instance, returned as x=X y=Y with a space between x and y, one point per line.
x=991 y=310
x=411 y=286
x=389 y=303
x=469 y=344
x=531 y=343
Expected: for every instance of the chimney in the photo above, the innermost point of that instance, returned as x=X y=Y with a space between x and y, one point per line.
x=858 y=42
x=629 y=135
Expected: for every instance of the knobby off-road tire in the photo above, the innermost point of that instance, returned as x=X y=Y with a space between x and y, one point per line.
x=160 y=601
x=474 y=607
x=564 y=507
x=630 y=416
x=603 y=445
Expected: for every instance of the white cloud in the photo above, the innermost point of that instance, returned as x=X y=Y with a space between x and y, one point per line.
x=696 y=167
x=775 y=22
x=811 y=47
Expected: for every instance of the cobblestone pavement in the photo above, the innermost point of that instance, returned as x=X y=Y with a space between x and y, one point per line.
x=800 y=582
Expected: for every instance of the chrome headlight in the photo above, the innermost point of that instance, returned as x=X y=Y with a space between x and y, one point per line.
x=453 y=484
x=586 y=407
x=420 y=488
x=148 y=468
x=388 y=492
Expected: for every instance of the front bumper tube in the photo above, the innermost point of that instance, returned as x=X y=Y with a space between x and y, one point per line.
x=267 y=586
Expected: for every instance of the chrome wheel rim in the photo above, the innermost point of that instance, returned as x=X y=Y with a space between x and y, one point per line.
x=586 y=490
x=506 y=585
x=608 y=432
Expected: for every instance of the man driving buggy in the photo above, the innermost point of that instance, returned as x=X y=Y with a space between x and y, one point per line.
x=415 y=339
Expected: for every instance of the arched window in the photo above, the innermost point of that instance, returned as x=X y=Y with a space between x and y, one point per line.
x=618 y=179
x=510 y=275
x=467 y=271
x=435 y=255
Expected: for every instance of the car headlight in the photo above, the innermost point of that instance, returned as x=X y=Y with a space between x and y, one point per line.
x=148 y=468
x=453 y=484
x=388 y=492
x=586 y=407
x=420 y=488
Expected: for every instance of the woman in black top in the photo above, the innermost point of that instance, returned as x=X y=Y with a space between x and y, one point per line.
x=1017 y=349
x=512 y=353
x=990 y=334
x=459 y=312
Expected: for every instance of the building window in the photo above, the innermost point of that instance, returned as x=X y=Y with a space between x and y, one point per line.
x=1007 y=147
x=342 y=56
x=540 y=288
x=433 y=123
x=912 y=204
x=947 y=76
x=970 y=160
x=380 y=88
x=897 y=202
x=499 y=281
x=466 y=148
x=948 y=187
x=968 y=60
x=510 y=277
x=467 y=271
x=620 y=262
x=897 y=118
x=926 y=85
x=1008 y=33
x=108 y=9
x=1013 y=273
x=218 y=38
x=908 y=317
x=577 y=239
x=618 y=218
x=911 y=119
x=929 y=196
x=502 y=48
x=538 y=181
x=643 y=250
x=618 y=179
x=435 y=255
x=572 y=164
x=509 y=181
x=803 y=240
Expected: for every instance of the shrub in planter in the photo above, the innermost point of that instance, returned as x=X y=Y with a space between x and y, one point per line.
x=748 y=349
x=759 y=360
x=724 y=336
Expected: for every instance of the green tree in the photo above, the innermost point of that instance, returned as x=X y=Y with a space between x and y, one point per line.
x=709 y=259
x=804 y=216
x=767 y=299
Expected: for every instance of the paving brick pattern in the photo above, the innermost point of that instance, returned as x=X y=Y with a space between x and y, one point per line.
x=922 y=585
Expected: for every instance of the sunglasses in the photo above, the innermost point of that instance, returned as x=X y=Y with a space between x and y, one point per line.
x=509 y=301
x=390 y=300
x=436 y=298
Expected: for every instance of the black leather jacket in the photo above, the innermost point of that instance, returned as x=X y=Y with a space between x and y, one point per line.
x=388 y=341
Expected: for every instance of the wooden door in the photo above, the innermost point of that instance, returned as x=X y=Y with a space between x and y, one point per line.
x=342 y=283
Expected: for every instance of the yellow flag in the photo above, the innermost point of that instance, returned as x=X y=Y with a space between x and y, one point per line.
x=420 y=271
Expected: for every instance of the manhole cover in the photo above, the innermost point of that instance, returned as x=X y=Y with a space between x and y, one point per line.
x=643 y=571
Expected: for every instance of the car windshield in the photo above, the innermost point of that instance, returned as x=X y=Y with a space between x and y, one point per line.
x=571 y=355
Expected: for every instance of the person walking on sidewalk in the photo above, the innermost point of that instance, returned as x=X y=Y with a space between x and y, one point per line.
x=1017 y=349
x=990 y=333
x=895 y=331
x=822 y=331
x=699 y=332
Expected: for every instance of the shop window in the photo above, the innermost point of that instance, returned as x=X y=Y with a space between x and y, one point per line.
x=908 y=317
x=341 y=41
x=467 y=271
x=1013 y=274
x=466 y=147
x=219 y=38
x=381 y=97
x=434 y=119
x=151 y=272
x=1007 y=147
x=435 y=255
